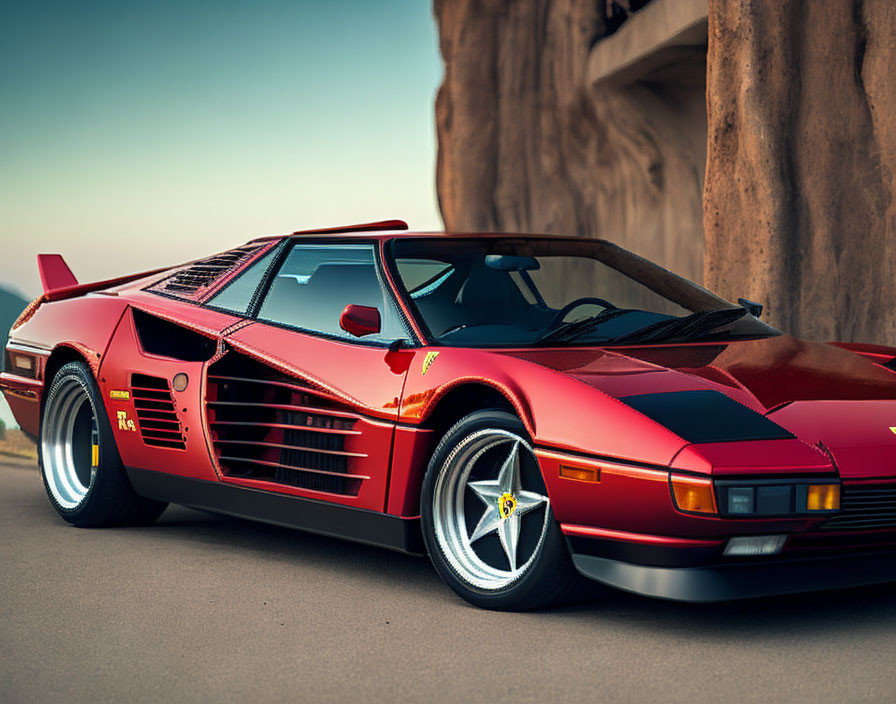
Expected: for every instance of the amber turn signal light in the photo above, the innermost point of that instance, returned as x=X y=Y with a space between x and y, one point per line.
x=823 y=497
x=694 y=494
x=582 y=474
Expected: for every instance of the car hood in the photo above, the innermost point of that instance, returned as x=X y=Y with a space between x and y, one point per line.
x=820 y=393
x=763 y=373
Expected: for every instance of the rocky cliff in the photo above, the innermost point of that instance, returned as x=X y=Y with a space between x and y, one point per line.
x=789 y=114
x=526 y=143
x=799 y=206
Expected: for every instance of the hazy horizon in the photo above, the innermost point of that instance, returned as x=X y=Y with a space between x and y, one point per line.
x=137 y=135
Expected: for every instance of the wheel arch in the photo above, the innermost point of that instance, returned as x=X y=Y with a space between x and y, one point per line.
x=59 y=357
x=464 y=398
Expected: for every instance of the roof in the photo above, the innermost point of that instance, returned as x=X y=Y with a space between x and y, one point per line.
x=383 y=229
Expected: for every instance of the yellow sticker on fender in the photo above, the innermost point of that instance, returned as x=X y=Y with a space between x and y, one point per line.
x=125 y=423
x=120 y=395
x=428 y=360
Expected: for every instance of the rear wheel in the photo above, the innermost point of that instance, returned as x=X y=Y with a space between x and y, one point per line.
x=79 y=460
x=487 y=519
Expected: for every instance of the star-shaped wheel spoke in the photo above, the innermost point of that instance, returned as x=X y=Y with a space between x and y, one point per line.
x=492 y=492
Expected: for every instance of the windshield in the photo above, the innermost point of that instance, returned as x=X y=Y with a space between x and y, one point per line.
x=495 y=292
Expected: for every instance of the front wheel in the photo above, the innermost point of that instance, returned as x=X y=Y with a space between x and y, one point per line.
x=79 y=460
x=487 y=519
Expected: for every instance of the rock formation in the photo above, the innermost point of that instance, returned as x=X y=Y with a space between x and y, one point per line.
x=789 y=114
x=799 y=206
x=525 y=144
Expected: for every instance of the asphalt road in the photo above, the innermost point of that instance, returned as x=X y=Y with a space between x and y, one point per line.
x=205 y=608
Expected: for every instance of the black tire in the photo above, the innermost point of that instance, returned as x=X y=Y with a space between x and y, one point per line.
x=550 y=577
x=85 y=492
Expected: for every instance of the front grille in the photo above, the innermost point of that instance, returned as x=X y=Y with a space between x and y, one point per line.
x=865 y=507
x=156 y=413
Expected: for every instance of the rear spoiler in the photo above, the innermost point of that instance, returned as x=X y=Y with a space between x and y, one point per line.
x=59 y=282
x=54 y=272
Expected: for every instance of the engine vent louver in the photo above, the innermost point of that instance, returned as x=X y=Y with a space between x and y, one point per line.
x=268 y=427
x=156 y=413
x=196 y=278
x=865 y=507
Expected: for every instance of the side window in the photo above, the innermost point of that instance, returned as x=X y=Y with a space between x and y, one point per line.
x=236 y=295
x=316 y=283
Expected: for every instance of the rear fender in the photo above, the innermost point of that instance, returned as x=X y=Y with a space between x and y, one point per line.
x=57 y=333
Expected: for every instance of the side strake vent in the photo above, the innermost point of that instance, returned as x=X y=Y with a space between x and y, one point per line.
x=269 y=427
x=196 y=278
x=156 y=413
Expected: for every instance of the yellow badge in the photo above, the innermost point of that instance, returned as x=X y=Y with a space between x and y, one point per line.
x=120 y=395
x=893 y=429
x=125 y=423
x=428 y=360
x=506 y=505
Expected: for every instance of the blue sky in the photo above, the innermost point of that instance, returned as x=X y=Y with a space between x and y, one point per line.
x=139 y=134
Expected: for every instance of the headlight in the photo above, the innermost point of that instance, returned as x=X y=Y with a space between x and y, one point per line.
x=776 y=497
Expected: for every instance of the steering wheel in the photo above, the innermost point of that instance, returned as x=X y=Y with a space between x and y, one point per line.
x=572 y=305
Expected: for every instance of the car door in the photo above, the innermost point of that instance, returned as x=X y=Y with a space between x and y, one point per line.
x=298 y=405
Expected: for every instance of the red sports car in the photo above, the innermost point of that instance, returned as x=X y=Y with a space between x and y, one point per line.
x=525 y=409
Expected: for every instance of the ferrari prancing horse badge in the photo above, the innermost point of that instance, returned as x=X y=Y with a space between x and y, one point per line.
x=427 y=361
x=506 y=505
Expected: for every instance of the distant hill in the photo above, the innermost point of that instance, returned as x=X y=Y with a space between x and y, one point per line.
x=11 y=305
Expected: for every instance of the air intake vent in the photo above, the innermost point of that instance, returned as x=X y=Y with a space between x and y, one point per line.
x=196 y=278
x=156 y=413
x=865 y=507
x=272 y=428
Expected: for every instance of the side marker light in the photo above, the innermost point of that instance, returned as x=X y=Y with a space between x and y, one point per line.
x=582 y=474
x=180 y=381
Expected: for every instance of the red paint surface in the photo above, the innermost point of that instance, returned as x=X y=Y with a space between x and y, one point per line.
x=639 y=538
x=839 y=400
x=362 y=377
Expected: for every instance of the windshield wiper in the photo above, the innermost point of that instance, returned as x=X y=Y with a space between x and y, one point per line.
x=687 y=328
x=570 y=331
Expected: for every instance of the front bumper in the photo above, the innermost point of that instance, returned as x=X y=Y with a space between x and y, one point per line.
x=741 y=580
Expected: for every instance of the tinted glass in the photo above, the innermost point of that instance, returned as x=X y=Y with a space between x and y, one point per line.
x=237 y=295
x=511 y=292
x=316 y=283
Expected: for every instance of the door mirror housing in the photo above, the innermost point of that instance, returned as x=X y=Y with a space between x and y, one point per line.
x=360 y=320
x=753 y=308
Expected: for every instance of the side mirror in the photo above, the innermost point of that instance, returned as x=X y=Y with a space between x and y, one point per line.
x=360 y=320
x=753 y=308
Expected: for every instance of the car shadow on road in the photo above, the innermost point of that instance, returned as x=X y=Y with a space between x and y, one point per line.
x=287 y=545
x=864 y=609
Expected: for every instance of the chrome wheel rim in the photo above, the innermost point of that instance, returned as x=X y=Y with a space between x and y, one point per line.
x=68 y=443
x=490 y=510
